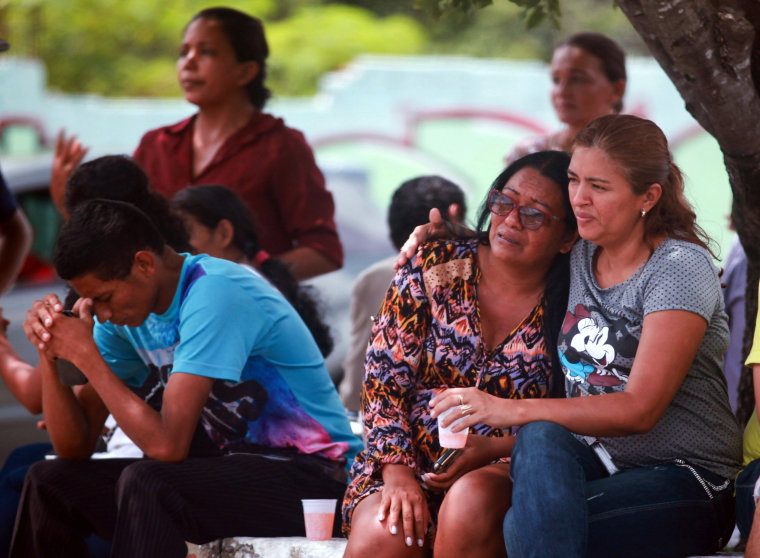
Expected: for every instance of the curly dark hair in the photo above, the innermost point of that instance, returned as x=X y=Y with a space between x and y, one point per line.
x=119 y=178
x=412 y=201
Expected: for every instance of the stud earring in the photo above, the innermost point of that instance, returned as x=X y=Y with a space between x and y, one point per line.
x=643 y=213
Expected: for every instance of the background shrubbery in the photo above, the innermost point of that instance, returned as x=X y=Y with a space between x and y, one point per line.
x=118 y=48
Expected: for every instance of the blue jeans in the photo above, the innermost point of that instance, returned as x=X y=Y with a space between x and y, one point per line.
x=745 y=503
x=11 y=480
x=564 y=504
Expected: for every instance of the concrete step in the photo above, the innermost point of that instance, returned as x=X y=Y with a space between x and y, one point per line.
x=295 y=547
x=260 y=547
x=300 y=547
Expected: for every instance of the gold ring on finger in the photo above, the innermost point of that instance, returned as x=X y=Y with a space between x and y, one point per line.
x=466 y=410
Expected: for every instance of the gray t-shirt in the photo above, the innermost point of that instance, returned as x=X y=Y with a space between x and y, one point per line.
x=600 y=335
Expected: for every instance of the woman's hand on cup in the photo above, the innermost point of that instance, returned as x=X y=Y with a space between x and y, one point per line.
x=403 y=501
x=475 y=407
x=69 y=152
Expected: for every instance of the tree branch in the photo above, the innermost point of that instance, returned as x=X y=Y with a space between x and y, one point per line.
x=706 y=53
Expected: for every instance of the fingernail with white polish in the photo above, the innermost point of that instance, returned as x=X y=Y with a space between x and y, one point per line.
x=420 y=542
x=393 y=530
x=381 y=517
x=409 y=541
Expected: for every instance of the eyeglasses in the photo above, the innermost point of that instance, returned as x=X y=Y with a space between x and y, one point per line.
x=529 y=217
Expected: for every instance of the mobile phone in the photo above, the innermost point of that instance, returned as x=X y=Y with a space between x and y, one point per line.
x=446 y=459
x=68 y=373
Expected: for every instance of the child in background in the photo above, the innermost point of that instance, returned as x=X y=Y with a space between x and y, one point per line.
x=220 y=225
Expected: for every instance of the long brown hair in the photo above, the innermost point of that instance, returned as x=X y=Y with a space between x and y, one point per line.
x=640 y=149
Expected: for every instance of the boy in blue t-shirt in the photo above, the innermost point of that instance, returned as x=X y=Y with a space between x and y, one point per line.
x=249 y=424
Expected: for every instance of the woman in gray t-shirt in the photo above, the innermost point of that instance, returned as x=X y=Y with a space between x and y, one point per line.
x=639 y=459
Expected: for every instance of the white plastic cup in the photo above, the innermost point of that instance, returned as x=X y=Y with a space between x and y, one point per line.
x=446 y=437
x=318 y=517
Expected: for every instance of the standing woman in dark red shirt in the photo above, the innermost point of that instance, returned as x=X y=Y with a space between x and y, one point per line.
x=230 y=141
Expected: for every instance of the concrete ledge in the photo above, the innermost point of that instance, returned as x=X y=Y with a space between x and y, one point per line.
x=259 y=547
x=295 y=547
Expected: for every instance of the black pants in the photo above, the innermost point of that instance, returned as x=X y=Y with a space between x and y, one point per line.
x=150 y=508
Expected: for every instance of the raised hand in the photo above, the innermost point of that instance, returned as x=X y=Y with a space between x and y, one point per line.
x=69 y=152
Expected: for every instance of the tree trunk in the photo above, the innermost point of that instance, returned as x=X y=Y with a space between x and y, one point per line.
x=709 y=50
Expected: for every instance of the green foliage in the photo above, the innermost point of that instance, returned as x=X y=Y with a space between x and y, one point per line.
x=112 y=47
x=534 y=11
x=439 y=7
x=102 y=46
x=315 y=40
x=128 y=48
x=499 y=30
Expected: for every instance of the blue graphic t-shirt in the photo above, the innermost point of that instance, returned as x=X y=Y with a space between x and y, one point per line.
x=225 y=322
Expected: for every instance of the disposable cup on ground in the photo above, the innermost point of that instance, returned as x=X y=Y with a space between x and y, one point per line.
x=446 y=437
x=318 y=517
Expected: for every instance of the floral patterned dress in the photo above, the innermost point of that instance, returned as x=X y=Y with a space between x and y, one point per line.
x=428 y=336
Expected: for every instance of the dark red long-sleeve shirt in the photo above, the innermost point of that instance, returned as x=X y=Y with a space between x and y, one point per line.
x=269 y=165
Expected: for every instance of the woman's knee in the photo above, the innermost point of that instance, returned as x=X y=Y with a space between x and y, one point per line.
x=370 y=537
x=485 y=492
